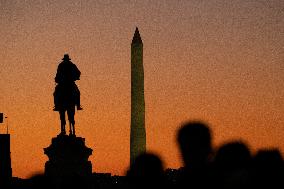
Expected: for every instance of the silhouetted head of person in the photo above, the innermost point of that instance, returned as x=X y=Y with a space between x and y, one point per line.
x=233 y=155
x=146 y=171
x=66 y=58
x=194 y=139
x=232 y=162
x=268 y=169
x=269 y=159
x=39 y=181
x=146 y=165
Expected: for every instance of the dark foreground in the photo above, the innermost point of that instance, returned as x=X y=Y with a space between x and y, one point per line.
x=230 y=166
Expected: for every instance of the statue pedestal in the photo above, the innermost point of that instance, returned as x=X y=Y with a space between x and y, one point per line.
x=68 y=156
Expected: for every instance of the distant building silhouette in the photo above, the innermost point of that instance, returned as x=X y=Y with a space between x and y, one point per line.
x=5 y=161
x=138 y=133
x=1 y=117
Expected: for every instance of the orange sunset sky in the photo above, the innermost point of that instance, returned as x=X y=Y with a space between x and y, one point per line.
x=213 y=60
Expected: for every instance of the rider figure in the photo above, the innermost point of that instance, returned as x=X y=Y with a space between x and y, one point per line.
x=67 y=74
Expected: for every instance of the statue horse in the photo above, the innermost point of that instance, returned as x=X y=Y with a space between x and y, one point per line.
x=65 y=101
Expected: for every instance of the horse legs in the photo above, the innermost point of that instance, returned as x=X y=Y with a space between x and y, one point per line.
x=72 y=125
x=63 y=122
x=72 y=128
x=71 y=113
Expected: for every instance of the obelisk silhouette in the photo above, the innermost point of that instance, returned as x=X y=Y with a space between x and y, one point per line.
x=137 y=131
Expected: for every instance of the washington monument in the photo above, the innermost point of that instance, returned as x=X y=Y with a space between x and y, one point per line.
x=137 y=131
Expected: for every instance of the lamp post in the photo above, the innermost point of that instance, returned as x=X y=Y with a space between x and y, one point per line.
x=7 y=125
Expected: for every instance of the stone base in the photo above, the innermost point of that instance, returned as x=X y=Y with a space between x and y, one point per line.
x=68 y=156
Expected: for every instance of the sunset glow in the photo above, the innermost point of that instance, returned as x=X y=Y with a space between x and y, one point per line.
x=217 y=61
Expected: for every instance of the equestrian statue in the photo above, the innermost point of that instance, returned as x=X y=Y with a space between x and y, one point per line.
x=67 y=94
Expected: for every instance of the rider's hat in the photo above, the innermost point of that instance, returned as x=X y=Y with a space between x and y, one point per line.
x=66 y=57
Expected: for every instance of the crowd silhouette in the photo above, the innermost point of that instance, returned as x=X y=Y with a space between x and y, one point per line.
x=230 y=166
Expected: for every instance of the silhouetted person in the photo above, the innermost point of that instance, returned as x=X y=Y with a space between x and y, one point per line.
x=39 y=181
x=194 y=139
x=268 y=169
x=67 y=74
x=232 y=166
x=146 y=172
